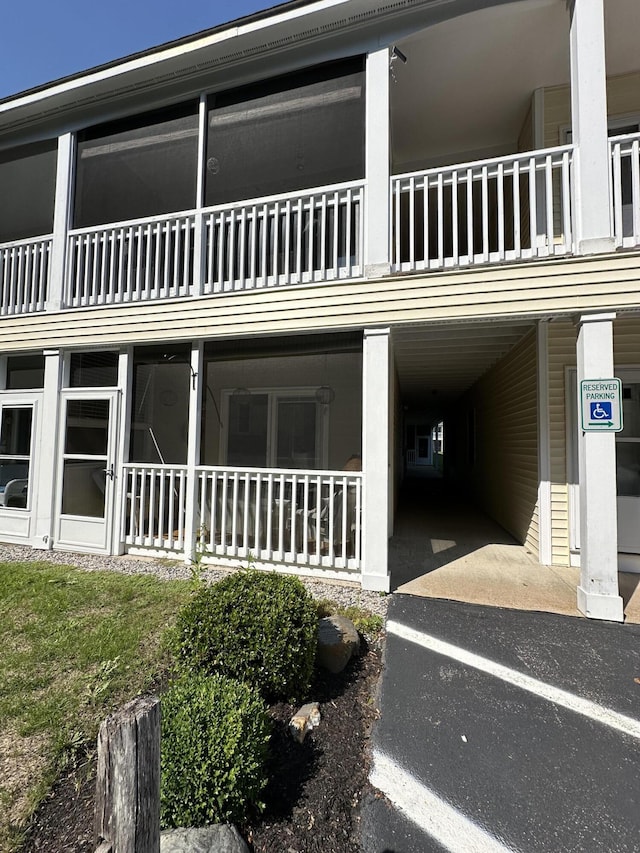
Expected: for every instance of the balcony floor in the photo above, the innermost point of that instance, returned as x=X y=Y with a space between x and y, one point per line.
x=446 y=548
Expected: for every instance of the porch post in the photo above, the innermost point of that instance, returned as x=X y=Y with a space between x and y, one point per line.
x=64 y=173
x=377 y=214
x=375 y=458
x=47 y=452
x=598 y=594
x=592 y=168
x=193 y=450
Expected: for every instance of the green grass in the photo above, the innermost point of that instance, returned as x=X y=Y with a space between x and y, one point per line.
x=366 y=622
x=73 y=646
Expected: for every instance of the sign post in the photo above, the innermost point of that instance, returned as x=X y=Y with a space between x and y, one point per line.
x=601 y=405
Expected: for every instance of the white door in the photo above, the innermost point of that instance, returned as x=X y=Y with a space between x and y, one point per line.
x=423 y=445
x=88 y=431
x=628 y=469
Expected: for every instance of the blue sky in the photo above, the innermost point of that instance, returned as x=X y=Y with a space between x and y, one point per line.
x=41 y=40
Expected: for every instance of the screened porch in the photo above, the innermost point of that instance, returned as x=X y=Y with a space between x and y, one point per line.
x=277 y=476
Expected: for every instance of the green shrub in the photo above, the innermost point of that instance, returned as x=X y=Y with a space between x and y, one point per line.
x=253 y=626
x=215 y=734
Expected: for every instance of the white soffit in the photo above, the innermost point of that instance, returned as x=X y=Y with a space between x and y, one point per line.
x=448 y=359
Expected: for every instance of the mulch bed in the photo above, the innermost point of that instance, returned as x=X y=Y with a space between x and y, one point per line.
x=312 y=800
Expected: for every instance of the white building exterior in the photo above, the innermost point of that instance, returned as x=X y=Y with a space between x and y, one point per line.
x=228 y=266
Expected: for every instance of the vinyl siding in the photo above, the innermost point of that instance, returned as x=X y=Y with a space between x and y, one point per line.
x=562 y=354
x=505 y=476
x=605 y=282
x=623 y=99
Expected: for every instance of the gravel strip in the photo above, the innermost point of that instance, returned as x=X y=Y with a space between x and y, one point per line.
x=343 y=593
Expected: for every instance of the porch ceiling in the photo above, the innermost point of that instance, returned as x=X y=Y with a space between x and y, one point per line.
x=436 y=364
x=467 y=84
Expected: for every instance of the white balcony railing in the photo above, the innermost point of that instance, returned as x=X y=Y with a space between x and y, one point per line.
x=154 y=509
x=24 y=275
x=285 y=239
x=130 y=262
x=625 y=196
x=491 y=211
x=308 y=518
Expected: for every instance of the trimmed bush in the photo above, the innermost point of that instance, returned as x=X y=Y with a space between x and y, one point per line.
x=253 y=626
x=215 y=735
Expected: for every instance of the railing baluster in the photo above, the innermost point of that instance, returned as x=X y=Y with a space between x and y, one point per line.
x=533 y=207
x=412 y=222
x=566 y=203
x=500 y=191
x=548 y=173
x=455 y=249
x=440 y=223
x=635 y=190
x=517 y=247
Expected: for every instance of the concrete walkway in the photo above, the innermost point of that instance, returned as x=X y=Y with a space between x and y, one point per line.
x=446 y=548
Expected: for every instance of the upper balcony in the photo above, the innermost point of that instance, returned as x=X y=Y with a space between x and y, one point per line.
x=270 y=184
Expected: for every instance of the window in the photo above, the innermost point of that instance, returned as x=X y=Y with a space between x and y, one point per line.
x=294 y=132
x=93 y=370
x=25 y=371
x=27 y=190
x=137 y=167
x=15 y=455
x=277 y=428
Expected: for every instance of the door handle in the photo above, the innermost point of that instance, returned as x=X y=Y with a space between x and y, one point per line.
x=109 y=472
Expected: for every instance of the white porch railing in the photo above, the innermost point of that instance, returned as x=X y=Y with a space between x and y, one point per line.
x=285 y=239
x=154 y=506
x=24 y=275
x=303 y=518
x=625 y=196
x=131 y=262
x=491 y=211
x=307 y=518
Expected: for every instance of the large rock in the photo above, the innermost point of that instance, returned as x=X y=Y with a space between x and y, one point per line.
x=338 y=641
x=219 y=838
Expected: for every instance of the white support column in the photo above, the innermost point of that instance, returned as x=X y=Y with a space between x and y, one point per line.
x=193 y=448
x=377 y=166
x=64 y=176
x=598 y=594
x=375 y=458
x=544 y=447
x=125 y=385
x=592 y=170
x=47 y=462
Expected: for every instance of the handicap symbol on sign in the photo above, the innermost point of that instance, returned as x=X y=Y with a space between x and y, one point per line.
x=600 y=411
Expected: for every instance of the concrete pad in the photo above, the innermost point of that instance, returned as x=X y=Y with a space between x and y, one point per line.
x=502 y=576
x=445 y=548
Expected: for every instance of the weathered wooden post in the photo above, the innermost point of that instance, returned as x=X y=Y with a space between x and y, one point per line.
x=127 y=815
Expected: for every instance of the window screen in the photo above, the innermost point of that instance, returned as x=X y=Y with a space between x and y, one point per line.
x=27 y=190
x=295 y=132
x=142 y=166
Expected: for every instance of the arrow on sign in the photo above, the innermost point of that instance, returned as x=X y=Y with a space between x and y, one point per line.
x=601 y=423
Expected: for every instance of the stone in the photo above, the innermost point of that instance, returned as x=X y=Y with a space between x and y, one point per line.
x=338 y=641
x=307 y=718
x=218 y=838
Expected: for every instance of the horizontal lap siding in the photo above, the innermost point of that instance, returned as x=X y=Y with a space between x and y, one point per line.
x=505 y=476
x=623 y=99
x=507 y=291
x=562 y=353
